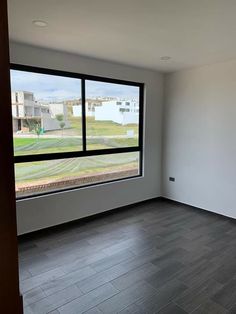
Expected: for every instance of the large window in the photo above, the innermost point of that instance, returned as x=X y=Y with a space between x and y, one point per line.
x=72 y=130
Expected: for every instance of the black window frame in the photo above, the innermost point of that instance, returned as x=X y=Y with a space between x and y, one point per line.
x=84 y=152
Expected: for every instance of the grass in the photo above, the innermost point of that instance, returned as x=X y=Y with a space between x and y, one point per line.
x=34 y=173
x=53 y=170
x=42 y=145
x=31 y=146
x=28 y=146
x=99 y=128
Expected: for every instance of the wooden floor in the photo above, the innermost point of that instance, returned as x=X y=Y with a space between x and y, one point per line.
x=156 y=257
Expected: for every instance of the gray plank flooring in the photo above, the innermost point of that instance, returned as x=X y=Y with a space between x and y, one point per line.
x=155 y=257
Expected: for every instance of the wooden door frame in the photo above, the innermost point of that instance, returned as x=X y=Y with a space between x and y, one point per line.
x=10 y=299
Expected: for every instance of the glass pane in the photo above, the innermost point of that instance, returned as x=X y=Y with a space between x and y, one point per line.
x=44 y=176
x=44 y=119
x=112 y=115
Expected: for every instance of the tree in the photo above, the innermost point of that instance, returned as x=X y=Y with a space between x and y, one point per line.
x=37 y=129
x=34 y=125
x=62 y=125
x=60 y=119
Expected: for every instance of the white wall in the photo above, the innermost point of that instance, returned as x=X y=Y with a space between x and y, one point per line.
x=200 y=137
x=41 y=212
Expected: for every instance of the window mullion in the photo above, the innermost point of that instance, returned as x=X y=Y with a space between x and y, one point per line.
x=83 y=99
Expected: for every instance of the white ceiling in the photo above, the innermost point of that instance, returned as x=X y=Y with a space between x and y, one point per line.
x=135 y=32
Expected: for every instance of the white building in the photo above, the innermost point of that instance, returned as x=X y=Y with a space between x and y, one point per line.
x=49 y=120
x=26 y=109
x=58 y=109
x=122 y=111
x=90 y=110
x=24 y=105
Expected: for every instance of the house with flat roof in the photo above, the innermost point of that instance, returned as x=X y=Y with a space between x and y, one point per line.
x=27 y=111
x=119 y=111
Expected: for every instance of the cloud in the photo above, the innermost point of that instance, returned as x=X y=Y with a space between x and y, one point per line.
x=46 y=87
x=57 y=88
x=94 y=89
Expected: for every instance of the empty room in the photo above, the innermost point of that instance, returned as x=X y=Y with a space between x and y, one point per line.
x=118 y=156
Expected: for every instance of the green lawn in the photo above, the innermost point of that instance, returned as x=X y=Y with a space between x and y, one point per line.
x=34 y=173
x=53 y=170
x=28 y=146
x=98 y=128
x=68 y=142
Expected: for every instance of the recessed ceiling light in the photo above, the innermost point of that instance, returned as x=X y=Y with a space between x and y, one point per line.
x=40 y=23
x=165 y=58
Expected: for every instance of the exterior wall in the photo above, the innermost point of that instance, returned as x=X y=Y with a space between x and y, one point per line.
x=77 y=111
x=21 y=111
x=24 y=105
x=130 y=117
x=20 y=96
x=29 y=111
x=111 y=111
x=14 y=110
x=49 y=124
x=49 y=121
x=37 y=111
x=58 y=108
x=15 y=125
x=13 y=97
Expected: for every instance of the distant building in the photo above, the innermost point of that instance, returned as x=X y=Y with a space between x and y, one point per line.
x=122 y=111
x=25 y=111
x=89 y=108
x=57 y=109
x=24 y=105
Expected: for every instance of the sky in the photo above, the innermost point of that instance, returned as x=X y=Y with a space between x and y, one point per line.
x=56 y=88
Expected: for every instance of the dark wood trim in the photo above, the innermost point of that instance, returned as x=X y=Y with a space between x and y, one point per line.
x=10 y=299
